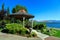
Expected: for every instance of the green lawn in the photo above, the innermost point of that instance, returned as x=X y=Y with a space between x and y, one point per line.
x=57 y=34
x=53 y=32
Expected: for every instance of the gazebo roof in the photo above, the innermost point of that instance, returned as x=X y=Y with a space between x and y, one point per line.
x=21 y=15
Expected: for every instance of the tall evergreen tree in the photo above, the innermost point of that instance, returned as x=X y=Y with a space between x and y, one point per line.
x=3 y=6
x=14 y=10
x=8 y=11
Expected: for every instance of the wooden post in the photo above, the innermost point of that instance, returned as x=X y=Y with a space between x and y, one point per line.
x=32 y=22
x=23 y=21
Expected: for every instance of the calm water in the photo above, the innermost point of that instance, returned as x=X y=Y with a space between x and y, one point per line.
x=55 y=25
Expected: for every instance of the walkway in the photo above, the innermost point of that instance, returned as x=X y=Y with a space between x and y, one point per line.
x=40 y=35
x=4 y=36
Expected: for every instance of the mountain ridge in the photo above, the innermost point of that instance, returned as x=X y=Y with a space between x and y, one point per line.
x=49 y=21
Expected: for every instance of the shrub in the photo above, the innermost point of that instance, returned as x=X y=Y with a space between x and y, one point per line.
x=39 y=26
x=46 y=31
x=12 y=31
x=2 y=25
x=42 y=28
x=18 y=21
x=23 y=31
x=13 y=27
x=33 y=34
x=7 y=21
x=5 y=31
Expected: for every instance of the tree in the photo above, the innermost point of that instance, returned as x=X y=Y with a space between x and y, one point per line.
x=14 y=10
x=40 y=26
x=18 y=7
x=8 y=11
x=3 y=6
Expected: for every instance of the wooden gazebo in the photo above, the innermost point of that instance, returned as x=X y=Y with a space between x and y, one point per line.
x=21 y=15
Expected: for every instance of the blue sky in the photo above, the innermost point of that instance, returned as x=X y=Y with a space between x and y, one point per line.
x=41 y=9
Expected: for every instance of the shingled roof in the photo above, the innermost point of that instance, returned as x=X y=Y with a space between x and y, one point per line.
x=22 y=14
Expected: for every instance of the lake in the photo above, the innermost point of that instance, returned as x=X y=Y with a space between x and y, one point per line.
x=53 y=25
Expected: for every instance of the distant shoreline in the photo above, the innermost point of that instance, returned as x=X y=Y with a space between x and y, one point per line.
x=53 y=28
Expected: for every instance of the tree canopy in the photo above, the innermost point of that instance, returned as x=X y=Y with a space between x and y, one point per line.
x=18 y=7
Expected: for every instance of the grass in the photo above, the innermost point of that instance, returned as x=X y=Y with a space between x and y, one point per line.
x=53 y=32
x=57 y=34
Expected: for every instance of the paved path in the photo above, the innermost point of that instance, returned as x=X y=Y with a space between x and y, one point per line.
x=40 y=35
x=4 y=36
